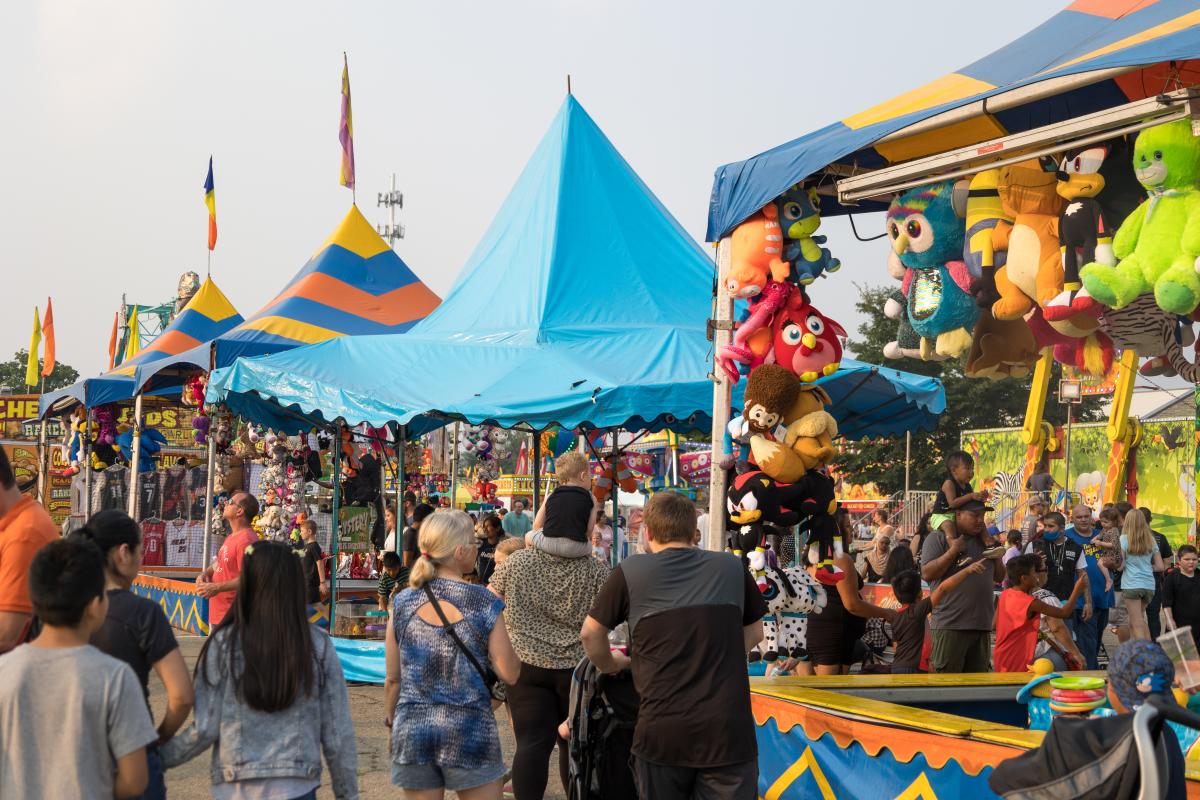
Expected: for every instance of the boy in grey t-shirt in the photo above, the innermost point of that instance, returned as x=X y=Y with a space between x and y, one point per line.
x=73 y=721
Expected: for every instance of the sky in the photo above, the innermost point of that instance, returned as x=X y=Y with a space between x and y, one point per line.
x=112 y=111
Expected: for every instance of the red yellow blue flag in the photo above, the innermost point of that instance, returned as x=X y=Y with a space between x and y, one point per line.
x=346 y=129
x=210 y=200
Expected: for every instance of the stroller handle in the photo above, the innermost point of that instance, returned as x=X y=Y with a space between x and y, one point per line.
x=1175 y=713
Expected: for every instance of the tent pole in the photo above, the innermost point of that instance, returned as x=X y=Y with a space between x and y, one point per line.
x=135 y=456
x=537 y=473
x=454 y=466
x=43 y=485
x=401 y=437
x=722 y=394
x=86 y=450
x=335 y=449
x=616 y=504
x=208 y=498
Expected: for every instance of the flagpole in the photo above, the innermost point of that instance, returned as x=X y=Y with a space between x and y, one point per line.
x=43 y=462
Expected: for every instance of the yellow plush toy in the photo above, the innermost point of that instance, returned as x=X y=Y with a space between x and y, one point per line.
x=808 y=442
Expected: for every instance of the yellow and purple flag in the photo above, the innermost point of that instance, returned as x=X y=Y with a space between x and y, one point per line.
x=346 y=129
x=210 y=200
x=48 y=332
x=31 y=366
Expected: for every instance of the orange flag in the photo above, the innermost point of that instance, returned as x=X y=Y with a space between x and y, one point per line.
x=112 y=344
x=48 y=337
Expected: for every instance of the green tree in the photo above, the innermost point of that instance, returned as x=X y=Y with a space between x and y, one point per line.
x=971 y=403
x=12 y=375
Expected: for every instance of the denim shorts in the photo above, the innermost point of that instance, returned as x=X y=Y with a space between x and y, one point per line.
x=434 y=776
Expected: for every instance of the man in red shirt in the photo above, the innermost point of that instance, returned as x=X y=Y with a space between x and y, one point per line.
x=219 y=580
x=24 y=528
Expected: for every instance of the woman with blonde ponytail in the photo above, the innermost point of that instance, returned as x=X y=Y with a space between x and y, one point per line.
x=439 y=707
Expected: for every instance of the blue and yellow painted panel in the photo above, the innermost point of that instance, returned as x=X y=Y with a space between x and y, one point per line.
x=185 y=610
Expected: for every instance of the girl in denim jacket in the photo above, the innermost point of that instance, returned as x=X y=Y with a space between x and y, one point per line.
x=270 y=696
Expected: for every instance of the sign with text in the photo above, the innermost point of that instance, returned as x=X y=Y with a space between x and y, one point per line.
x=354 y=529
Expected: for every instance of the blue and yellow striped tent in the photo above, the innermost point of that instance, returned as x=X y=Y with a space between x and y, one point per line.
x=1091 y=56
x=354 y=285
x=206 y=316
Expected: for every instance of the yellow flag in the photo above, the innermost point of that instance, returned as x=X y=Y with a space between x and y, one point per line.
x=32 y=367
x=134 y=342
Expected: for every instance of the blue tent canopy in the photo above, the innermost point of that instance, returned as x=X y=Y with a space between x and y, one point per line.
x=584 y=306
x=208 y=314
x=1133 y=49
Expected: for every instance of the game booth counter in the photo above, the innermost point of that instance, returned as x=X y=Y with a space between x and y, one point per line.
x=1035 y=207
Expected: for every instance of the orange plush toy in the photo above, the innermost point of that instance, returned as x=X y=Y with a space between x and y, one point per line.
x=756 y=254
x=1032 y=275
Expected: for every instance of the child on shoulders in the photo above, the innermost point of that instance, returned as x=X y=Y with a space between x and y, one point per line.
x=956 y=491
x=566 y=519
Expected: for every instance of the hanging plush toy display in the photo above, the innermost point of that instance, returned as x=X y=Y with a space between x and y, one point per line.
x=799 y=217
x=807 y=442
x=926 y=233
x=756 y=252
x=783 y=327
x=752 y=501
x=1158 y=246
x=1032 y=275
x=603 y=483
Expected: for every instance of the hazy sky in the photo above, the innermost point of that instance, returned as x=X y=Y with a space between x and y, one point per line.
x=112 y=109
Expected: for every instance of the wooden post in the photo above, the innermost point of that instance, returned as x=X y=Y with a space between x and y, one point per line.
x=135 y=457
x=722 y=391
x=86 y=450
x=336 y=450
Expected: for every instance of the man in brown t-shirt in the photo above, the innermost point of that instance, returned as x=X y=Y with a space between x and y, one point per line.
x=25 y=528
x=693 y=616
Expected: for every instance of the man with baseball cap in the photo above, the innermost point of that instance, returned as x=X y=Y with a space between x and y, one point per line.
x=962 y=623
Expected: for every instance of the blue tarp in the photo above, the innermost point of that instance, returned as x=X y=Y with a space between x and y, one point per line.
x=584 y=305
x=1082 y=38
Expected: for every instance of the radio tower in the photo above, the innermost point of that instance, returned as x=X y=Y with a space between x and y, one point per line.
x=391 y=230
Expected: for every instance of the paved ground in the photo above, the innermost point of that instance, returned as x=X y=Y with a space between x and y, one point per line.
x=191 y=781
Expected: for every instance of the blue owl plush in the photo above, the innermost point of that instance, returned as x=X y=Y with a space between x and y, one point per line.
x=799 y=217
x=926 y=232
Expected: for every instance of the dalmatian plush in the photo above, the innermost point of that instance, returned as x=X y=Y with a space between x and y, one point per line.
x=791 y=594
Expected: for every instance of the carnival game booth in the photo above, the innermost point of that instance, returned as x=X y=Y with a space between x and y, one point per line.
x=1040 y=211
x=583 y=307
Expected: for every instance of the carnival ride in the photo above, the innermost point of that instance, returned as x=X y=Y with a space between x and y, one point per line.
x=1021 y=140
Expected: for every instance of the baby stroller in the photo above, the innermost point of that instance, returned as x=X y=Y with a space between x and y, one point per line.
x=603 y=713
x=1123 y=757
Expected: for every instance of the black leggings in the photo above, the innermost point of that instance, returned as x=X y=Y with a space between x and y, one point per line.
x=538 y=703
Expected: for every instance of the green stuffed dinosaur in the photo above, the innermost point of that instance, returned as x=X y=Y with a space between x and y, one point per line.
x=1158 y=245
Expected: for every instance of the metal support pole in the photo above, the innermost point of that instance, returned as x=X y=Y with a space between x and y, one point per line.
x=1067 y=457
x=616 y=505
x=336 y=451
x=907 y=464
x=87 y=466
x=401 y=438
x=454 y=466
x=722 y=391
x=43 y=485
x=206 y=558
x=136 y=450
x=537 y=474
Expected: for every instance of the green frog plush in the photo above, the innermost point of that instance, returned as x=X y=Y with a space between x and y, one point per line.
x=1158 y=245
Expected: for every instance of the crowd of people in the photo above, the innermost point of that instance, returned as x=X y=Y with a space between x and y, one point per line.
x=492 y=612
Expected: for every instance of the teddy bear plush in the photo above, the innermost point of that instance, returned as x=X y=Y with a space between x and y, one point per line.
x=807 y=441
x=1000 y=348
x=926 y=233
x=1158 y=246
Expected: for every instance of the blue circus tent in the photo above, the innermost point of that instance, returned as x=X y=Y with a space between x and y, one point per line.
x=583 y=305
x=1091 y=56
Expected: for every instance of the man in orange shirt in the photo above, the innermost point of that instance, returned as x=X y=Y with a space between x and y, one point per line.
x=220 y=580
x=24 y=528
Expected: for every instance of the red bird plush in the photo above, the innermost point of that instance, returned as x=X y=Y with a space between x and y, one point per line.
x=805 y=340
